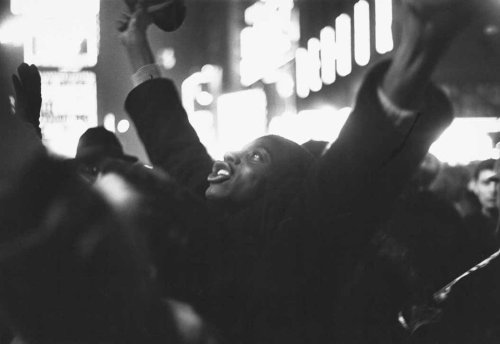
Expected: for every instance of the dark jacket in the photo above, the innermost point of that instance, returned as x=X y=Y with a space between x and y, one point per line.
x=280 y=264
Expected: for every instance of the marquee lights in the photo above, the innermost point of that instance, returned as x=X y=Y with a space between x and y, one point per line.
x=302 y=65
x=336 y=45
x=343 y=44
x=383 y=26
x=362 y=33
x=313 y=48
x=328 y=64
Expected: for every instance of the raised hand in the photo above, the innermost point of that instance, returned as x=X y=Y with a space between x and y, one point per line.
x=133 y=27
x=444 y=17
x=27 y=86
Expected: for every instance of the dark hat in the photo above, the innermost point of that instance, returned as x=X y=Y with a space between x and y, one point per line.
x=290 y=160
x=97 y=143
x=168 y=15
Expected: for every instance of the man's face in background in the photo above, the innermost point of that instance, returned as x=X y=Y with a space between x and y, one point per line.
x=485 y=188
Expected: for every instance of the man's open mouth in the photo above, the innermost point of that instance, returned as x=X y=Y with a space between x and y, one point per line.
x=221 y=171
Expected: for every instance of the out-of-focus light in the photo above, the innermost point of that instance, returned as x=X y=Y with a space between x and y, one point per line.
x=327 y=43
x=313 y=48
x=123 y=126
x=69 y=108
x=51 y=8
x=343 y=44
x=209 y=71
x=301 y=72
x=109 y=122
x=13 y=31
x=322 y=124
x=204 y=98
x=189 y=89
x=383 y=26
x=166 y=58
x=285 y=85
x=362 y=32
x=242 y=117
x=466 y=140
x=203 y=123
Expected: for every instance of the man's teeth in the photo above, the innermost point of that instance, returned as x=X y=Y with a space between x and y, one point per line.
x=223 y=173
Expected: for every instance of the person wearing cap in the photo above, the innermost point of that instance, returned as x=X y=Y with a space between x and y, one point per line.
x=292 y=229
x=95 y=147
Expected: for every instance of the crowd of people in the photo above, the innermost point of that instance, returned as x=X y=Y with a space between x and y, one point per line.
x=352 y=243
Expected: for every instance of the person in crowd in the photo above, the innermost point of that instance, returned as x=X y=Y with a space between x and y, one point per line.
x=451 y=184
x=74 y=265
x=291 y=230
x=414 y=253
x=481 y=238
x=96 y=147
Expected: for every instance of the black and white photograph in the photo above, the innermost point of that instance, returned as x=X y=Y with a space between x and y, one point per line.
x=249 y=171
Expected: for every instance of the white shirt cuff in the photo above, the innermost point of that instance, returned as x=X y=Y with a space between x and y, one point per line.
x=402 y=118
x=147 y=72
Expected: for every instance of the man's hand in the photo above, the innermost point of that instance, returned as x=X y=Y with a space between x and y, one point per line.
x=132 y=33
x=444 y=18
x=133 y=27
x=28 y=95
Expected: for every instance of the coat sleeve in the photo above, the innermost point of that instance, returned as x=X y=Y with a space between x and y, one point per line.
x=372 y=160
x=169 y=139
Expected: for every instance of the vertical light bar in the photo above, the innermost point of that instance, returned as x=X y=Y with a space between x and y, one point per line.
x=343 y=44
x=301 y=72
x=313 y=48
x=383 y=26
x=327 y=43
x=362 y=32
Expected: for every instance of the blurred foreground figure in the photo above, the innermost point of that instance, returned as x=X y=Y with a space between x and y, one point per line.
x=74 y=266
x=277 y=246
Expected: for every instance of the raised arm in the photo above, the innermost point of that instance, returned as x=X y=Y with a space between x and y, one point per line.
x=398 y=114
x=28 y=88
x=156 y=110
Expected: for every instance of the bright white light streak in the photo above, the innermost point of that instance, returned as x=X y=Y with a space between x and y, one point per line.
x=301 y=72
x=328 y=68
x=362 y=32
x=383 y=26
x=314 y=75
x=343 y=44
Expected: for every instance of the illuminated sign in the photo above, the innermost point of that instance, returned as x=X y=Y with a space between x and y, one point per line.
x=242 y=117
x=53 y=36
x=69 y=108
x=336 y=46
x=268 y=43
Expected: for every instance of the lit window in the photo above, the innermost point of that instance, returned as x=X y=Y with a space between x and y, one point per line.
x=362 y=33
x=343 y=44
